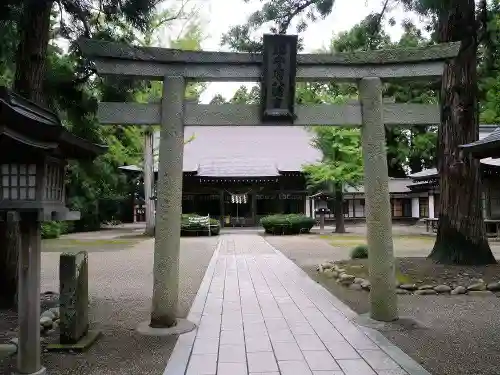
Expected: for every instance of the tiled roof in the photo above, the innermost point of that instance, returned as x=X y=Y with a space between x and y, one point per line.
x=238 y=167
x=485 y=147
x=426 y=173
x=396 y=185
x=486 y=133
x=237 y=151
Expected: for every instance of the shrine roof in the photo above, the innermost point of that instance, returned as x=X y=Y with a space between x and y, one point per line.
x=486 y=147
x=396 y=185
x=263 y=151
x=237 y=151
x=244 y=151
x=24 y=122
x=487 y=135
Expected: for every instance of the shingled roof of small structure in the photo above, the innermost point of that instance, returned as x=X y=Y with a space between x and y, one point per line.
x=23 y=121
x=488 y=135
x=486 y=147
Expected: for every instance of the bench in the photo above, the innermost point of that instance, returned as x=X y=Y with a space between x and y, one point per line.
x=431 y=224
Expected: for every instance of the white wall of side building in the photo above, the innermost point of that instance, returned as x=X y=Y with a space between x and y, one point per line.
x=415 y=207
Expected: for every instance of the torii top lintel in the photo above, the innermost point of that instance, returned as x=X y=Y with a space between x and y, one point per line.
x=155 y=63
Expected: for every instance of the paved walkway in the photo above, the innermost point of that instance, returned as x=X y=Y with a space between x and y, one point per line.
x=259 y=314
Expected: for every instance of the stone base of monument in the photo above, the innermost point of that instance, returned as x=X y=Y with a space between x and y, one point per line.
x=80 y=346
x=182 y=326
x=42 y=371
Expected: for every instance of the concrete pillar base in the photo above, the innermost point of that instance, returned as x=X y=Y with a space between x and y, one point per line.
x=42 y=371
x=182 y=326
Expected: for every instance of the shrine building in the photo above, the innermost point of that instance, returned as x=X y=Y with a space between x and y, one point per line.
x=239 y=174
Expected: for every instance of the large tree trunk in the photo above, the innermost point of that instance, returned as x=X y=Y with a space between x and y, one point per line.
x=34 y=35
x=461 y=237
x=30 y=75
x=339 y=210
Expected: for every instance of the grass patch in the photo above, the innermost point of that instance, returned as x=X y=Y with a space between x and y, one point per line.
x=360 y=268
x=75 y=245
x=138 y=236
x=362 y=237
x=403 y=279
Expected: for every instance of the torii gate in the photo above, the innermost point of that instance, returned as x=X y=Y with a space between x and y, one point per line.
x=277 y=70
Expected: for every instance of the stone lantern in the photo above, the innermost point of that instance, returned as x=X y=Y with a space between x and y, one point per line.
x=34 y=149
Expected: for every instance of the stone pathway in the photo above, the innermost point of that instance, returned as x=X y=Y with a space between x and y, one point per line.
x=260 y=314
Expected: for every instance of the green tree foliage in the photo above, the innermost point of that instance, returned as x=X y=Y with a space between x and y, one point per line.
x=489 y=64
x=242 y=95
x=245 y=96
x=407 y=149
x=340 y=166
x=277 y=16
x=32 y=63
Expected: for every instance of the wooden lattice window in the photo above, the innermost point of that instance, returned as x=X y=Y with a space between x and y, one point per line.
x=18 y=181
x=54 y=182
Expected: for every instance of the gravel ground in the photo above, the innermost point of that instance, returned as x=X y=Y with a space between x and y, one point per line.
x=120 y=287
x=456 y=335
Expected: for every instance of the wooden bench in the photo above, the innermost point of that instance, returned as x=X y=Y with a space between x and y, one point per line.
x=496 y=223
x=431 y=224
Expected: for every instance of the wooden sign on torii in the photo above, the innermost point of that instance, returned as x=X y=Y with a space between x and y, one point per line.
x=277 y=69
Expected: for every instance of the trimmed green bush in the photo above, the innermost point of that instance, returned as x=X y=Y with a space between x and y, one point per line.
x=191 y=226
x=287 y=224
x=359 y=252
x=51 y=229
x=54 y=229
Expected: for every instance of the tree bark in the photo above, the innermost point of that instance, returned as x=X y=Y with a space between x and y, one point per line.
x=461 y=236
x=34 y=35
x=30 y=74
x=339 y=210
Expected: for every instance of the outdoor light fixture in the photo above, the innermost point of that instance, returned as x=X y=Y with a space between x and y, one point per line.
x=34 y=147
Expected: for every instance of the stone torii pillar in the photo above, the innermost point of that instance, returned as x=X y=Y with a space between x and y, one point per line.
x=168 y=214
x=164 y=319
x=378 y=207
x=148 y=175
x=277 y=68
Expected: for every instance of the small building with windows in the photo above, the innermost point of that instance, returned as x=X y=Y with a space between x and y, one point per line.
x=426 y=182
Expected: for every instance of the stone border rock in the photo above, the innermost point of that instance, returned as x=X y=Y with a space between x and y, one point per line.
x=49 y=321
x=477 y=288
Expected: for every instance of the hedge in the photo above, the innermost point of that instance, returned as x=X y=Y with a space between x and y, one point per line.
x=287 y=224
x=191 y=226
x=54 y=229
